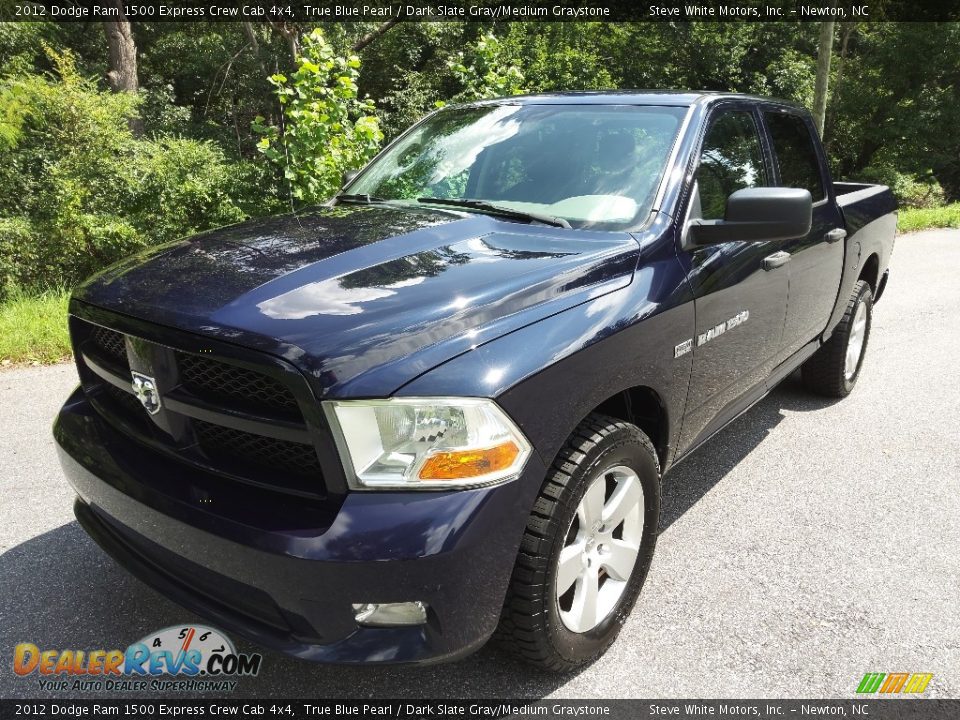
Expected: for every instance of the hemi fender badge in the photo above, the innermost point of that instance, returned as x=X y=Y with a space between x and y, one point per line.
x=683 y=348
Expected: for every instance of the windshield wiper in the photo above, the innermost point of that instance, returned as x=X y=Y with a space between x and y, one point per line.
x=363 y=198
x=493 y=209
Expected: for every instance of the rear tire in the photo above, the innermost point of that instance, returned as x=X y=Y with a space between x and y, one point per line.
x=563 y=618
x=834 y=369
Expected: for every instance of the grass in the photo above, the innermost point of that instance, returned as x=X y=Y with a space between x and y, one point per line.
x=911 y=219
x=33 y=328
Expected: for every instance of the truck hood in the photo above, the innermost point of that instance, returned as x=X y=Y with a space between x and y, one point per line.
x=365 y=298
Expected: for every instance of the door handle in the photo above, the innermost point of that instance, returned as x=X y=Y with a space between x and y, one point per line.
x=771 y=262
x=835 y=235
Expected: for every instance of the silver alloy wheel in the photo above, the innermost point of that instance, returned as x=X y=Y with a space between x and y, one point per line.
x=601 y=549
x=858 y=332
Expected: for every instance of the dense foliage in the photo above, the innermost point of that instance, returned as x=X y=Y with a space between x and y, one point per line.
x=242 y=119
x=484 y=72
x=78 y=192
x=324 y=127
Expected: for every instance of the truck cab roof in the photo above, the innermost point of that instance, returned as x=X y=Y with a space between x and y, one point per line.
x=678 y=98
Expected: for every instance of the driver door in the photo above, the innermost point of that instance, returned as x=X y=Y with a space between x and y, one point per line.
x=740 y=292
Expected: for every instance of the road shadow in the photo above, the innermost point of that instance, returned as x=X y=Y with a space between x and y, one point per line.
x=693 y=478
x=60 y=591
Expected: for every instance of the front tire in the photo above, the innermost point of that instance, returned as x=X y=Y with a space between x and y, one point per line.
x=834 y=369
x=586 y=549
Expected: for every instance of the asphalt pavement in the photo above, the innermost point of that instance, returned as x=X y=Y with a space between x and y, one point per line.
x=808 y=543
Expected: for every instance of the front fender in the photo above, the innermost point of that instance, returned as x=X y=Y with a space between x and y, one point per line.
x=550 y=375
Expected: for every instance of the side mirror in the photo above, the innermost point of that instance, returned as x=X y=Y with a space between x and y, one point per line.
x=348 y=177
x=757 y=214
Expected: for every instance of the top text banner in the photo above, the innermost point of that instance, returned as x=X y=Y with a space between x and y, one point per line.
x=480 y=10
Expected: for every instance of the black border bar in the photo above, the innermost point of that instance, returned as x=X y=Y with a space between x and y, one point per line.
x=485 y=10
x=867 y=708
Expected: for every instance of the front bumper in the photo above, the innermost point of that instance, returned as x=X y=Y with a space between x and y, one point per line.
x=284 y=575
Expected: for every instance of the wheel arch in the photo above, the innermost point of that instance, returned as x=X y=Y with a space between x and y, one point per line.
x=870 y=272
x=642 y=406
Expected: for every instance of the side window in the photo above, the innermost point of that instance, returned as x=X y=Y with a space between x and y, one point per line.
x=731 y=159
x=795 y=153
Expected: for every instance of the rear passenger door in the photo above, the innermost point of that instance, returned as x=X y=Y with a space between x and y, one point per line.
x=740 y=297
x=816 y=261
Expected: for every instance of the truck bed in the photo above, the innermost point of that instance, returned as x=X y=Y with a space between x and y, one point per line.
x=869 y=212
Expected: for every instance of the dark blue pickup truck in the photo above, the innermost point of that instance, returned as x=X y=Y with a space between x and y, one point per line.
x=440 y=408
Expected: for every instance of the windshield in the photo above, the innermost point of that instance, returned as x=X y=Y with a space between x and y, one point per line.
x=595 y=166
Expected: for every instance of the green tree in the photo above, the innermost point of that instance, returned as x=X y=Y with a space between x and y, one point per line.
x=561 y=56
x=899 y=106
x=325 y=129
x=485 y=71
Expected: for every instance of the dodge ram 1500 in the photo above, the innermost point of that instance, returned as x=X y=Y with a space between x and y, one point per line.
x=440 y=407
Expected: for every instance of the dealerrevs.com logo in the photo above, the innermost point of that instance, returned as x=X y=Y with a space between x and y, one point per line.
x=177 y=658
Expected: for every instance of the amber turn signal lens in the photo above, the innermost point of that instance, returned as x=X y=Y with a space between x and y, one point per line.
x=469 y=463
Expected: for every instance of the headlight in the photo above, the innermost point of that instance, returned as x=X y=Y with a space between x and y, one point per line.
x=426 y=443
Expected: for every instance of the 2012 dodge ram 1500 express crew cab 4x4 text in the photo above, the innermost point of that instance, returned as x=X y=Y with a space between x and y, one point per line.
x=439 y=408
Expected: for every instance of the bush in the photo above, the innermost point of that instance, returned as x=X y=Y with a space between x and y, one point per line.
x=78 y=191
x=160 y=114
x=911 y=191
x=180 y=186
x=20 y=250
